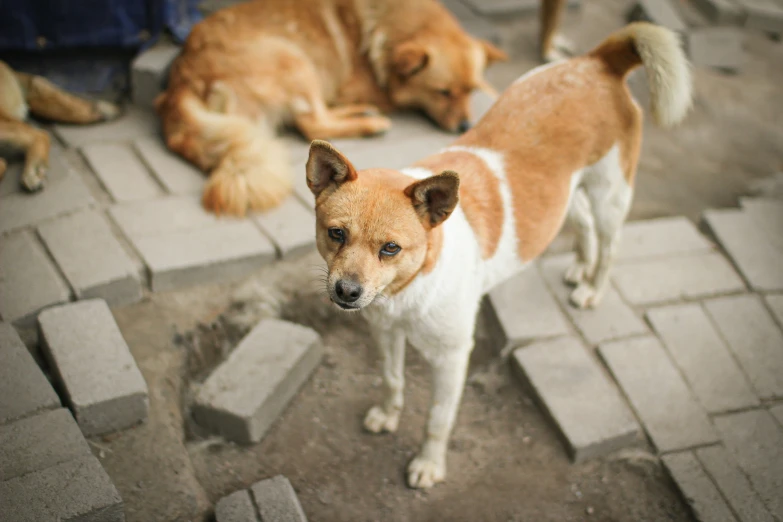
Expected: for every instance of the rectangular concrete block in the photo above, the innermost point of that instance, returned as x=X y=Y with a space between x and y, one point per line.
x=301 y=190
x=664 y=12
x=722 y=12
x=149 y=71
x=78 y=490
x=767 y=214
x=661 y=237
x=697 y=489
x=24 y=389
x=277 y=500
x=777 y=412
x=763 y=15
x=394 y=152
x=775 y=304
x=246 y=393
x=586 y=407
x=157 y=217
x=756 y=442
x=675 y=278
x=672 y=417
x=38 y=442
x=291 y=226
x=94 y=367
x=472 y=23
x=236 y=507
x=716 y=46
x=704 y=359
x=29 y=282
x=754 y=338
x=505 y=8
x=92 y=259
x=121 y=172
x=134 y=123
x=175 y=174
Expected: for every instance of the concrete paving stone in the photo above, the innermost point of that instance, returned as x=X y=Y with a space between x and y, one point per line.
x=60 y=196
x=29 y=282
x=673 y=418
x=733 y=484
x=24 y=389
x=755 y=339
x=162 y=216
x=246 y=393
x=301 y=191
x=149 y=71
x=721 y=12
x=696 y=487
x=277 y=500
x=135 y=123
x=39 y=442
x=78 y=490
x=587 y=408
x=91 y=258
x=480 y=103
x=94 y=367
x=121 y=171
x=236 y=507
x=777 y=412
x=509 y=7
x=767 y=214
x=472 y=23
x=663 y=237
x=763 y=15
x=663 y=12
x=716 y=46
x=703 y=358
x=523 y=309
x=612 y=319
x=748 y=246
x=775 y=303
x=175 y=174
x=756 y=442
x=291 y=226
x=661 y=280
x=392 y=152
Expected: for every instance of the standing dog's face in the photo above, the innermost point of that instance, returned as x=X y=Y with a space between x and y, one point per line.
x=375 y=230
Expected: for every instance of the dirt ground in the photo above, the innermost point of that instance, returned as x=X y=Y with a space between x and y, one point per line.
x=505 y=462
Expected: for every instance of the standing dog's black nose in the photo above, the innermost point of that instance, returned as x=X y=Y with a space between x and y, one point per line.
x=464 y=125
x=348 y=291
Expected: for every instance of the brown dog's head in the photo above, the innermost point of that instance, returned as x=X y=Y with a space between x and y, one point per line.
x=376 y=229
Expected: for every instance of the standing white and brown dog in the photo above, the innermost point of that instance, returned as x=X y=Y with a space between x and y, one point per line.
x=561 y=142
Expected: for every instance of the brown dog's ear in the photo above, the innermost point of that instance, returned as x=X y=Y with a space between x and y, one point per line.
x=493 y=53
x=435 y=198
x=326 y=166
x=409 y=58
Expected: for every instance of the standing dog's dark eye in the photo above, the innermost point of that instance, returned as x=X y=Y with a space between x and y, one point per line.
x=390 y=249
x=337 y=234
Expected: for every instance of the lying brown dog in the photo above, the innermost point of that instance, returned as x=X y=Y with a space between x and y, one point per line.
x=21 y=93
x=328 y=67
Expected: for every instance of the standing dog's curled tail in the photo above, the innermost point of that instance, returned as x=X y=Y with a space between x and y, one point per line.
x=668 y=72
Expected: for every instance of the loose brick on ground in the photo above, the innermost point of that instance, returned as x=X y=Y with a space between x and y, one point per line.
x=91 y=258
x=157 y=217
x=721 y=12
x=748 y=246
x=92 y=363
x=121 y=171
x=29 y=282
x=247 y=392
x=767 y=214
x=756 y=441
x=763 y=15
x=586 y=407
x=755 y=339
x=661 y=237
x=173 y=172
x=134 y=123
x=39 y=442
x=277 y=500
x=236 y=507
x=291 y=226
x=662 y=280
x=148 y=72
x=77 y=490
x=670 y=414
x=24 y=389
x=703 y=357
x=696 y=487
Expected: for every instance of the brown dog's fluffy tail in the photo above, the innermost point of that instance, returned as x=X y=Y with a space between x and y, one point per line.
x=668 y=73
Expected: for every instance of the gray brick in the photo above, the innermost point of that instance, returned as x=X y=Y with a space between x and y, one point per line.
x=764 y=15
x=301 y=191
x=91 y=258
x=748 y=246
x=472 y=23
x=28 y=280
x=247 y=392
x=236 y=507
x=696 y=487
x=756 y=442
x=675 y=278
x=663 y=237
x=703 y=358
x=297 y=146
x=392 y=152
x=775 y=303
x=777 y=412
x=92 y=363
x=121 y=172
x=612 y=319
x=508 y=7
x=587 y=409
x=173 y=172
x=24 y=390
x=733 y=484
x=670 y=414
x=663 y=12
x=78 y=490
x=717 y=46
x=59 y=197
x=523 y=309
x=39 y=442
x=480 y=103
x=134 y=123
x=291 y=227
x=754 y=338
x=158 y=217
x=149 y=70
x=767 y=214
x=722 y=12
x=276 y=500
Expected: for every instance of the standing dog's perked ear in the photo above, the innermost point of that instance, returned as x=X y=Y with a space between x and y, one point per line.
x=327 y=167
x=436 y=197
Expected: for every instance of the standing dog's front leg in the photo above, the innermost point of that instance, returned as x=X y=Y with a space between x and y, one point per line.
x=429 y=466
x=391 y=344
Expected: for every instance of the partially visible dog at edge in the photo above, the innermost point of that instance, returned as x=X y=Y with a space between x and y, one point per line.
x=416 y=249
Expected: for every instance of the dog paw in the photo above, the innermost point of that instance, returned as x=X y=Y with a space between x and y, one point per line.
x=424 y=473
x=33 y=177
x=585 y=296
x=108 y=111
x=575 y=274
x=378 y=421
